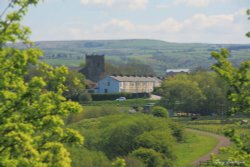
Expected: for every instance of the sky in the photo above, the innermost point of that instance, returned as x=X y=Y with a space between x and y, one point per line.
x=182 y=21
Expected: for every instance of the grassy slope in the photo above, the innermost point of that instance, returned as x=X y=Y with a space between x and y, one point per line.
x=196 y=146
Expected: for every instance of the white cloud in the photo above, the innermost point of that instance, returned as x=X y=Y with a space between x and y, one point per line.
x=198 y=28
x=131 y=4
x=198 y=22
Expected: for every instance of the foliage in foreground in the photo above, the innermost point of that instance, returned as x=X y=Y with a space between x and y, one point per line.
x=32 y=131
x=238 y=80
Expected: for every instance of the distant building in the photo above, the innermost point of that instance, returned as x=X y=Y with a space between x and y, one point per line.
x=171 y=72
x=132 y=84
x=95 y=67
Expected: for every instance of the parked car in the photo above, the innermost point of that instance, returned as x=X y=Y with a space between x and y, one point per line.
x=121 y=99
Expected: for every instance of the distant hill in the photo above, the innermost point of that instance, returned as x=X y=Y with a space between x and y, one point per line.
x=158 y=54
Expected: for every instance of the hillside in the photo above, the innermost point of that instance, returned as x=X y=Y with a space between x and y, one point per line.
x=159 y=54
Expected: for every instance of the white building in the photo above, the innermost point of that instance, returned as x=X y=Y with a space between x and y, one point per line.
x=132 y=84
x=170 y=72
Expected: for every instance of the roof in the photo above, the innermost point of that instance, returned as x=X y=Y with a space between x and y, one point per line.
x=177 y=70
x=135 y=79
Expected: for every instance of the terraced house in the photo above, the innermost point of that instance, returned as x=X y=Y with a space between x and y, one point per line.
x=132 y=84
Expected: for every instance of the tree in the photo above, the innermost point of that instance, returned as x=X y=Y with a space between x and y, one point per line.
x=32 y=131
x=238 y=80
x=75 y=83
x=214 y=89
x=182 y=94
x=130 y=67
x=248 y=13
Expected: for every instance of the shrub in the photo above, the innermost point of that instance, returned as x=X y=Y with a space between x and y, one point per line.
x=82 y=157
x=159 y=111
x=119 y=162
x=149 y=156
x=134 y=162
x=84 y=97
x=160 y=141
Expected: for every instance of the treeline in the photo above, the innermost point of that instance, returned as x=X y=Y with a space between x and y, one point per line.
x=200 y=92
x=129 y=67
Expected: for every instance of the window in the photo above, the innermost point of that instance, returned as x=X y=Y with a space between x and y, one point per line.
x=108 y=83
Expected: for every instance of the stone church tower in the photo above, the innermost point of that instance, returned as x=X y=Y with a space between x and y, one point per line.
x=95 y=67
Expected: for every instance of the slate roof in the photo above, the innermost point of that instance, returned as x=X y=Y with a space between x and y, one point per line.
x=135 y=79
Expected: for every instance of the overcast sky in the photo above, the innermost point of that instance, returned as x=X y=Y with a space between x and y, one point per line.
x=206 y=21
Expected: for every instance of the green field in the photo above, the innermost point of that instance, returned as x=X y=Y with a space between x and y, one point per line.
x=218 y=125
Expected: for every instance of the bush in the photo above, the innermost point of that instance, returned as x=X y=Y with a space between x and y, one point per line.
x=149 y=156
x=82 y=157
x=133 y=162
x=84 y=97
x=119 y=162
x=159 y=111
x=160 y=141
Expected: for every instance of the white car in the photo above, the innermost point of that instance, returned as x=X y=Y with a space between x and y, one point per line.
x=121 y=99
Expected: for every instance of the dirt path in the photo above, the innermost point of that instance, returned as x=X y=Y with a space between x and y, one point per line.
x=223 y=142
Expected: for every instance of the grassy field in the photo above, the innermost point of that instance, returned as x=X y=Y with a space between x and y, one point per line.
x=196 y=145
x=95 y=109
x=95 y=112
x=218 y=125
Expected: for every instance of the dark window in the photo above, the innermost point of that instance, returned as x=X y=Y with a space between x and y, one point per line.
x=106 y=90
